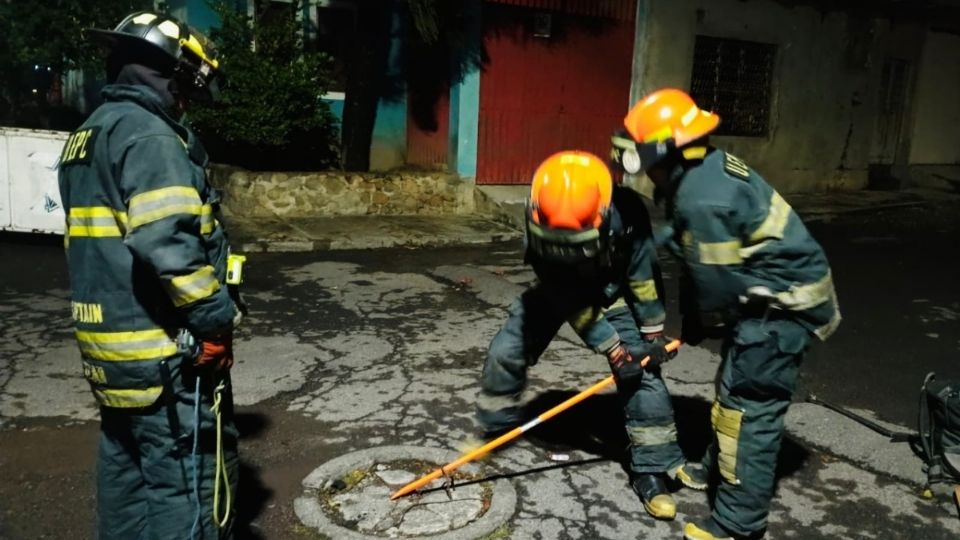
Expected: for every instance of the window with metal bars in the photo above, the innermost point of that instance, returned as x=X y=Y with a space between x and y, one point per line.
x=734 y=78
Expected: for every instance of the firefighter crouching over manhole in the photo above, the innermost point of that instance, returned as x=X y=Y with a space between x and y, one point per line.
x=591 y=247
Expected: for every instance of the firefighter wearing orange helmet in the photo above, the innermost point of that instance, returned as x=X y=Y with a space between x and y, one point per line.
x=754 y=277
x=590 y=245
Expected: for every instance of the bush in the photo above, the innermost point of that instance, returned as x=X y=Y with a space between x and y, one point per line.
x=271 y=115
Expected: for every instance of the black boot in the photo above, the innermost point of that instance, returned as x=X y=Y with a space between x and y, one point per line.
x=653 y=493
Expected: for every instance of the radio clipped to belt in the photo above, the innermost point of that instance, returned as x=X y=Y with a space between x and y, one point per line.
x=235 y=264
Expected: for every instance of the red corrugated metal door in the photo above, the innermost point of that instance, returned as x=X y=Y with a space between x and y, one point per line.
x=539 y=95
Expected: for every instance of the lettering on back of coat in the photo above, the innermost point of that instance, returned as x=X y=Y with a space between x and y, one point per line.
x=79 y=147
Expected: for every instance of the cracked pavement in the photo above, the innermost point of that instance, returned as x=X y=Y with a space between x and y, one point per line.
x=350 y=350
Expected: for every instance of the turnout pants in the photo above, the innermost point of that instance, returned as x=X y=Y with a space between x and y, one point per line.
x=532 y=324
x=758 y=375
x=145 y=470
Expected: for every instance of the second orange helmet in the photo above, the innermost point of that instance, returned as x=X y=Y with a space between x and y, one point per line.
x=571 y=190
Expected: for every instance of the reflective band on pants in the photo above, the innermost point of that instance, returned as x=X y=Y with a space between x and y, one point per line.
x=726 y=424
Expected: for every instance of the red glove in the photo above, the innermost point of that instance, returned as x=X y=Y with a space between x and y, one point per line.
x=216 y=352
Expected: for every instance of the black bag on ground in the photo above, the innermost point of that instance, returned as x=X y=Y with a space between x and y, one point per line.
x=940 y=429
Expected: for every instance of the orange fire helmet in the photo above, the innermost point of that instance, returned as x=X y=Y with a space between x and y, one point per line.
x=571 y=190
x=669 y=114
x=666 y=120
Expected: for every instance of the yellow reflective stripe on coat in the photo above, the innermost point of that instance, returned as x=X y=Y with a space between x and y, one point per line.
x=645 y=291
x=127 y=398
x=726 y=424
x=775 y=222
x=187 y=289
x=620 y=303
x=96 y=222
x=809 y=295
x=581 y=320
x=164 y=202
x=126 y=346
x=720 y=253
x=206 y=219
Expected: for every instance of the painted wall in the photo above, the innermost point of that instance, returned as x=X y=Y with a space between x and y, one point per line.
x=388 y=149
x=825 y=89
x=936 y=129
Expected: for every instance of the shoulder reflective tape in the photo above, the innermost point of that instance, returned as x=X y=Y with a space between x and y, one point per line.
x=809 y=295
x=720 y=253
x=164 y=202
x=96 y=221
x=126 y=346
x=128 y=398
x=726 y=424
x=645 y=291
x=775 y=222
x=652 y=435
x=187 y=289
x=581 y=320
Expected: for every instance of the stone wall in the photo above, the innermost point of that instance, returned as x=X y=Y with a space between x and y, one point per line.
x=336 y=193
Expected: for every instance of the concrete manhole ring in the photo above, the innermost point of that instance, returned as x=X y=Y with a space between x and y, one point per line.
x=348 y=497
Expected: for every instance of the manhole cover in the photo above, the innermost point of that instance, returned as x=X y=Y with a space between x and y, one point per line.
x=349 y=497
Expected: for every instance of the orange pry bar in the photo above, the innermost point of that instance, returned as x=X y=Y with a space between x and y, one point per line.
x=512 y=434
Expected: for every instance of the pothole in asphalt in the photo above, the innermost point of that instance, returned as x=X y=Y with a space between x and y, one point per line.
x=349 y=497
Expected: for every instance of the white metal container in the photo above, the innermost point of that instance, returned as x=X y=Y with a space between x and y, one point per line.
x=29 y=193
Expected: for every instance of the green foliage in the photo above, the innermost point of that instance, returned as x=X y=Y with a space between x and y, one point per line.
x=271 y=115
x=49 y=34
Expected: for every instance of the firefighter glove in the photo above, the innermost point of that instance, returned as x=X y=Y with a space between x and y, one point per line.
x=624 y=365
x=216 y=352
x=657 y=350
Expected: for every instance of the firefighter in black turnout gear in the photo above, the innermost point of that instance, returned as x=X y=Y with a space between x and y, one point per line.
x=590 y=245
x=754 y=277
x=148 y=261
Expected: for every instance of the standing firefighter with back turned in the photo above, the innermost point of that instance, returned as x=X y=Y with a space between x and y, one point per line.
x=148 y=270
x=590 y=245
x=754 y=277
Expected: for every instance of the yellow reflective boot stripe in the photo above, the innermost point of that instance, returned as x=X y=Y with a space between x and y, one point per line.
x=187 y=289
x=126 y=346
x=164 y=202
x=775 y=222
x=720 y=253
x=652 y=435
x=206 y=219
x=127 y=398
x=96 y=222
x=726 y=424
x=644 y=291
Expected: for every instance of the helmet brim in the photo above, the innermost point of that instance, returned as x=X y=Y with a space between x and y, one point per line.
x=701 y=126
x=115 y=41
